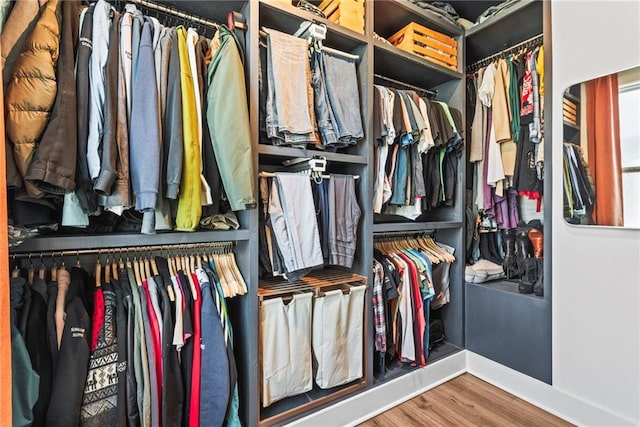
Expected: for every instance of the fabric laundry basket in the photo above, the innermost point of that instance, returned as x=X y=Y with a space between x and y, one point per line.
x=286 y=347
x=338 y=336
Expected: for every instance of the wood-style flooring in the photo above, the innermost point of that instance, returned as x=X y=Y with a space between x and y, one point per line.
x=465 y=401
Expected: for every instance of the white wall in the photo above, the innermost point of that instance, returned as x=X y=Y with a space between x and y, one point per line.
x=596 y=270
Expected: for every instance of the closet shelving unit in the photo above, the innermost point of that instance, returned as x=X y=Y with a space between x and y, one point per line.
x=501 y=324
x=446 y=222
x=354 y=160
x=385 y=17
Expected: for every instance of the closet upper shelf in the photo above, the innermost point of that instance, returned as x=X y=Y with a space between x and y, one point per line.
x=397 y=64
x=57 y=244
x=286 y=18
x=290 y=152
x=217 y=12
x=520 y=22
x=391 y=16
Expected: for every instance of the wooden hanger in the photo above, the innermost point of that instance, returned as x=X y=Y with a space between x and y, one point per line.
x=154 y=266
x=98 y=273
x=42 y=272
x=147 y=270
x=54 y=269
x=107 y=270
x=31 y=272
x=136 y=271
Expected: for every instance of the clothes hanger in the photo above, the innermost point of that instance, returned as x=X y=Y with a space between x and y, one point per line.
x=98 y=272
x=154 y=266
x=221 y=278
x=136 y=270
x=107 y=270
x=42 y=271
x=32 y=271
x=147 y=270
x=54 y=268
x=238 y=274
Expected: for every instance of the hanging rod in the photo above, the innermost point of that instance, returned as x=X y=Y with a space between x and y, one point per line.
x=175 y=12
x=123 y=250
x=393 y=235
x=273 y=174
x=264 y=32
x=428 y=92
x=531 y=42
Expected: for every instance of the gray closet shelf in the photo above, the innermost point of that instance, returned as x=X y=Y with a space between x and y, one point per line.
x=390 y=227
x=289 y=152
x=286 y=18
x=117 y=240
x=400 y=65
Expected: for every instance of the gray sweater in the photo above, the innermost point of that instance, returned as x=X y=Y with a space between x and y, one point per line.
x=144 y=134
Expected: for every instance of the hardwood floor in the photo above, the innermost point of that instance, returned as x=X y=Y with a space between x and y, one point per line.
x=465 y=401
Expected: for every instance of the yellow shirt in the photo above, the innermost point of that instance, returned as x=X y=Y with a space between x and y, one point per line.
x=189 y=206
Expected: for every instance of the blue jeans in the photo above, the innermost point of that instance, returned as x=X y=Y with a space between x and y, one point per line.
x=342 y=89
x=288 y=114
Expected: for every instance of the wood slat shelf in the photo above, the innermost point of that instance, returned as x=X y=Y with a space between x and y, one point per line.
x=315 y=280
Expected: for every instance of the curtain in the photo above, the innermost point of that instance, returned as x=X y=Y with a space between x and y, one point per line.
x=5 y=334
x=603 y=140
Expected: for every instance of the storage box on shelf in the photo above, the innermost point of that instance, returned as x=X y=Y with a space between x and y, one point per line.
x=428 y=44
x=348 y=13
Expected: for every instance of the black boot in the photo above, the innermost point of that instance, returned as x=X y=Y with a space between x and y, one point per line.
x=524 y=249
x=486 y=251
x=538 y=287
x=509 y=245
x=493 y=247
x=530 y=275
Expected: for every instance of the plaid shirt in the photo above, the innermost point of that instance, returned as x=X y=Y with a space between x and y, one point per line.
x=378 y=308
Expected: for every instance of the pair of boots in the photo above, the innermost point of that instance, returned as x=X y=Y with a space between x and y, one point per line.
x=523 y=257
x=489 y=247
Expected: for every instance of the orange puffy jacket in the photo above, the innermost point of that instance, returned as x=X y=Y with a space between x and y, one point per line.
x=31 y=90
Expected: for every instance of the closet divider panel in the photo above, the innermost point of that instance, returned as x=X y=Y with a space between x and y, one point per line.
x=502 y=324
x=250 y=309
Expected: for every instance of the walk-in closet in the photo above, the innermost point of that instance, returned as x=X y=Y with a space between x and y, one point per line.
x=298 y=181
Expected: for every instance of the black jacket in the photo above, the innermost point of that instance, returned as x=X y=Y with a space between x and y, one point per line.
x=172 y=403
x=84 y=188
x=70 y=372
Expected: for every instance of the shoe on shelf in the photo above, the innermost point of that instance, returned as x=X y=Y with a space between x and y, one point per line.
x=537 y=240
x=538 y=287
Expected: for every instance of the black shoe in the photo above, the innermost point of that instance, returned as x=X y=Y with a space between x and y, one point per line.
x=509 y=264
x=538 y=287
x=529 y=272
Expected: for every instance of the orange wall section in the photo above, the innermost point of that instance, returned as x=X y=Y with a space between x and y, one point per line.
x=5 y=332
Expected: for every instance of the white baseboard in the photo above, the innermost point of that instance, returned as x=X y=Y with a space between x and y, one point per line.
x=368 y=404
x=542 y=395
